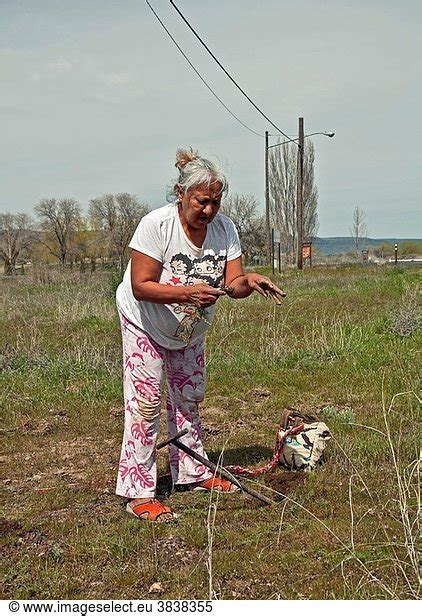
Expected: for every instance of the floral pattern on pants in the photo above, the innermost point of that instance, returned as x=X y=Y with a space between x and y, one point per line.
x=145 y=364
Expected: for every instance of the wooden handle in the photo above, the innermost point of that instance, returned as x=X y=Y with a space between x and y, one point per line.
x=168 y=441
x=225 y=474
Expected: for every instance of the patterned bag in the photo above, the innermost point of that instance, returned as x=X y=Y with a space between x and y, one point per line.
x=302 y=449
x=300 y=443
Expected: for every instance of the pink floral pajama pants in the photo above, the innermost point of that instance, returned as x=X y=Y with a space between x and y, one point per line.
x=145 y=364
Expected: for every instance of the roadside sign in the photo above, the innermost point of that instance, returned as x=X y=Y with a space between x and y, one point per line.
x=307 y=250
x=277 y=235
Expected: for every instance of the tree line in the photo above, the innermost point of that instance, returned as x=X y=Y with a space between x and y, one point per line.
x=60 y=230
x=69 y=236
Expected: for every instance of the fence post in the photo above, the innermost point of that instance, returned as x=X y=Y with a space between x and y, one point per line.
x=272 y=250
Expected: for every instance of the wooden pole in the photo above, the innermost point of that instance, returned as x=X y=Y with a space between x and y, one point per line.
x=267 y=201
x=272 y=250
x=299 y=194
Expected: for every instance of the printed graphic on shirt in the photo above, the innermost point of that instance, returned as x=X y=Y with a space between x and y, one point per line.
x=208 y=269
x=186 y=326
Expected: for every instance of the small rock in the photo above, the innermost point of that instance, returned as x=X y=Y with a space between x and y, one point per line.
x=156 y=587
x=260 y=393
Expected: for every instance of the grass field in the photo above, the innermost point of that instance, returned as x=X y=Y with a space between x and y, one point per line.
x=344 y=346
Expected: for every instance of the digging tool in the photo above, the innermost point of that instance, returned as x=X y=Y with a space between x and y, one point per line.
x=170 y=440
x=219 y=470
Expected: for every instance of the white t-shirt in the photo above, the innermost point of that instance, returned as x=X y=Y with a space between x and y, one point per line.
x=160 y=235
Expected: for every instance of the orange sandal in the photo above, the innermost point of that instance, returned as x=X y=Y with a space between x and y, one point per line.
x=153 y=508
x=217 y=484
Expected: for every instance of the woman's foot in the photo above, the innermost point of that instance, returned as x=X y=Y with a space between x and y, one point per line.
x=150 y=509
x=218 y=485
x=213 y=483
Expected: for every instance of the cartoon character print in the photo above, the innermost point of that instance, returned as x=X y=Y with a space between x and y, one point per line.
x=208 y=269
x=186 y=270
x=181 y=266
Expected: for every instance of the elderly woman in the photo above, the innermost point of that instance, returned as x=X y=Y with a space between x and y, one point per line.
x=183 y=255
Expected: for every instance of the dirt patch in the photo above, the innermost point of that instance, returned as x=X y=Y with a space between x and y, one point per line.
x=174 y=550
x=104 y=506
x=9 y=527
x=212 y=413
x=284 y=482
x=78 y=463
x=34 y=541
x=41 y=427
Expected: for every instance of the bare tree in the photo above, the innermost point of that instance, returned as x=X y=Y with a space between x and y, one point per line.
x=59 y=221
x=283 y=182
x=310 y=194
x=359 y=229
x=116 y=218
x=86 y=244
x=244 y=212
x=16 y=237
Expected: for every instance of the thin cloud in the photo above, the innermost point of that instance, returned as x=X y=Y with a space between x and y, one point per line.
x=115 y=79
x=60 y=66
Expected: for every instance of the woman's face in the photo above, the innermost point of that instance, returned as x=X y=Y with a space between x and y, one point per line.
x=200 y=204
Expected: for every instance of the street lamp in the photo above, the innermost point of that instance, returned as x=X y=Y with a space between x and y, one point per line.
x=299 y=192
x=275 y=145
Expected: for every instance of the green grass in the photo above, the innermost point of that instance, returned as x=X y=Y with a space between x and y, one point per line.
x=330 y=350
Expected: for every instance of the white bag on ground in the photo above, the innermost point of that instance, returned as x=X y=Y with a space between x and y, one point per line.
x=302 y=451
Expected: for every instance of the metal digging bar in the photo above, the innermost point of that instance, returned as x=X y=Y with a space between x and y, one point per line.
x=219 y=470
x=170 y=440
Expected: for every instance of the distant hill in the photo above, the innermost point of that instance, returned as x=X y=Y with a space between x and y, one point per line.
x=338 y=245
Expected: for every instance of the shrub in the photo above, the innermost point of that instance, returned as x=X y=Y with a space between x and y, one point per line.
x=407 y=318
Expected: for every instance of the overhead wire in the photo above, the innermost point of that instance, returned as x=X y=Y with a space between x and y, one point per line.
x=199 y=75
x=226 y=72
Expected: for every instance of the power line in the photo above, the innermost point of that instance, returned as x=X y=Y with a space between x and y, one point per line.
x=199 y=75
x=226 y=72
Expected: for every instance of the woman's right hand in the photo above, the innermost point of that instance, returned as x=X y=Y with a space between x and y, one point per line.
x=202 y=295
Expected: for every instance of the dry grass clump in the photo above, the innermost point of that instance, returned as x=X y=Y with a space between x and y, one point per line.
x=406 y=319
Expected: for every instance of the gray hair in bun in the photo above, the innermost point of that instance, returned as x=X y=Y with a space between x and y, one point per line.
x=194 y=170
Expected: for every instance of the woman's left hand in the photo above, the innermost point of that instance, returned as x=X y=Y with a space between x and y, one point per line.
x=263 y=285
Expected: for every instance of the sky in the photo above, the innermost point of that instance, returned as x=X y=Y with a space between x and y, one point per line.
x=95 y=98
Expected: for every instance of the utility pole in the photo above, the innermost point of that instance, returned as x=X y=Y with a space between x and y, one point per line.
x=299 y=194
x=267 y=201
